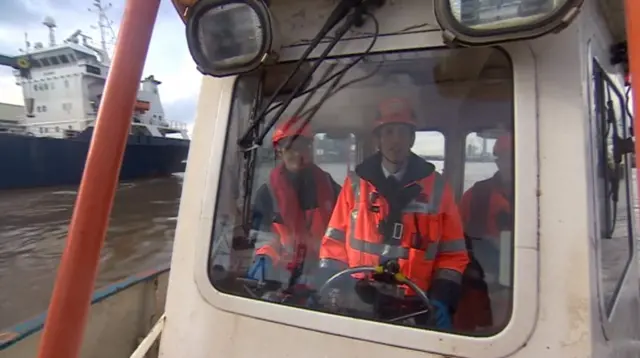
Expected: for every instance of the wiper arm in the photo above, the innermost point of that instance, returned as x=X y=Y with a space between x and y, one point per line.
x=339 y=13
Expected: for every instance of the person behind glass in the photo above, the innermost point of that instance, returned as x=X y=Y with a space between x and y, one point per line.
x=292 y=209
x=486 y=211
x=396 y=206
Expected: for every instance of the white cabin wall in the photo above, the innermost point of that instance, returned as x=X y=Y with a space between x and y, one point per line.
x=61 y=99
x=149 y=92
x=74 y=92
x=564 y=316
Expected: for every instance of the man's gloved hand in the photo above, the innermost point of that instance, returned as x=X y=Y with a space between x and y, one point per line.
x=441 y=315
x=261 y=268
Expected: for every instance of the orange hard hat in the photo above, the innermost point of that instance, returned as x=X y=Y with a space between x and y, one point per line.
x=395 y=110
x=503 y=144
x=294 y=126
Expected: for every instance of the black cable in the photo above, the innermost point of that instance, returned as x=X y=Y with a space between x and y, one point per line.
x=325 y=53
x=335 y=17
x=344 y=70
x=339 y=73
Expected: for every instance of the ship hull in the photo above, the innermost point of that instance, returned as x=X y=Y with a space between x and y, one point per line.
x=29 y=162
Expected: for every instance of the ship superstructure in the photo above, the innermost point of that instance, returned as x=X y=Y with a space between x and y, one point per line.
x=62 y=86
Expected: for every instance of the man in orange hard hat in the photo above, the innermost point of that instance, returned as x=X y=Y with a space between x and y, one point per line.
x=486 y=212
x=396 y=207
x=292 y=209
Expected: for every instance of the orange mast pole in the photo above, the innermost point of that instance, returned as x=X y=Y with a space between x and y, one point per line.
x=632 y=14
x=66 y=318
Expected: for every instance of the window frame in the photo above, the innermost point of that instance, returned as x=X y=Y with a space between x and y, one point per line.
x=523 y=317
x=608 y=309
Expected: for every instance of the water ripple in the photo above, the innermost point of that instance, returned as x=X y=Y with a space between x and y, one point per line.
x=33 y=229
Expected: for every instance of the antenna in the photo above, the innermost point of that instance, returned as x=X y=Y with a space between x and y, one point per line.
x=104 y=24
x=51 y=24
x=27 y=44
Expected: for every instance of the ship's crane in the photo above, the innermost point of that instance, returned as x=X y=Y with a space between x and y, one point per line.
x=21 y=63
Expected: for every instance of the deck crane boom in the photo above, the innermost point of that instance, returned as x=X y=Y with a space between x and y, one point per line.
x=21 y=63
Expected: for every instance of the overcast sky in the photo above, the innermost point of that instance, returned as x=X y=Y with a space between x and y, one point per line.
x=168 y=59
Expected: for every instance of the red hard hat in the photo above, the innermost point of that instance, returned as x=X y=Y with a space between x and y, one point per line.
x=503 y=144
x=394 y=110
x=294 y=126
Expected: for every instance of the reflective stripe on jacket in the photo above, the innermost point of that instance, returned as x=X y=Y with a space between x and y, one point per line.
x=292 y=224
x=428 y=242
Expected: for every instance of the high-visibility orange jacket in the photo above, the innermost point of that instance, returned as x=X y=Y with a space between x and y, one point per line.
x=486 y=210
x=425 y=234
x=295 y=213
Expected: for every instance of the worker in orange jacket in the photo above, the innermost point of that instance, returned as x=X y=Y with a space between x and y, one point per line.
x=395 y=206
x=291 y=211
x=486 y=211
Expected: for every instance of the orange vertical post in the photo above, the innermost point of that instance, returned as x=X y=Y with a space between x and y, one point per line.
x=632 y=13
x=67 y=314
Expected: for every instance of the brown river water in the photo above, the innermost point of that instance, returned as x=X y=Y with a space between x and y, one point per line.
x=33 y=229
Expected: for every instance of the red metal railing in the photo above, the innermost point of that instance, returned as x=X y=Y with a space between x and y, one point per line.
x=67 y=315
x=632 y=13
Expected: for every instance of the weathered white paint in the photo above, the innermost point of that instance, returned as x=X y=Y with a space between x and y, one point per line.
x=120 y=317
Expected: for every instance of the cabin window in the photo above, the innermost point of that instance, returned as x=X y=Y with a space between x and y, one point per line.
x=488 y=163
x=63 y=59
x=430 y=146
x=613 y=185
x=35 y=87
x=93 y=69
x=54 y=60
x=45 y=62
x=277 y=237
x=335 y=153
